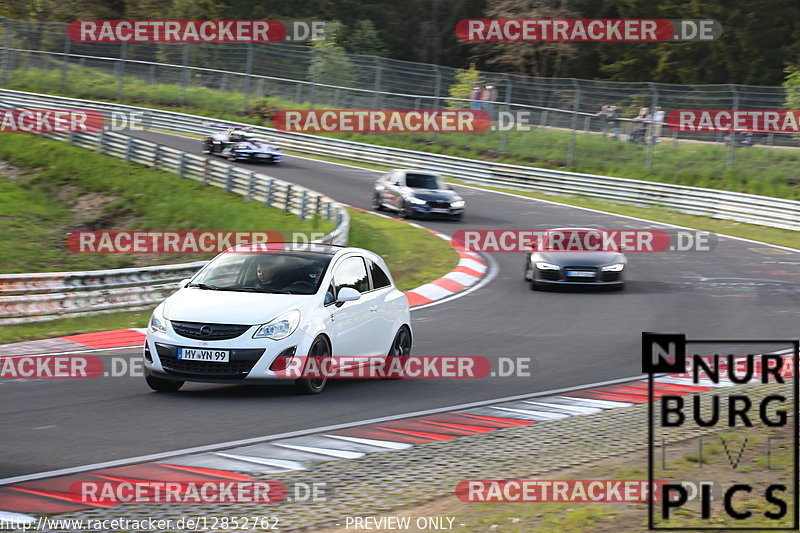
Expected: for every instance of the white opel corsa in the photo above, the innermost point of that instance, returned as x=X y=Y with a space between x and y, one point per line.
x=252 y=309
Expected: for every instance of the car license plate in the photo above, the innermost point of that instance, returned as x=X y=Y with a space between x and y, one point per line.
x=580 y=273
x=262 y=155
x=197 y=354
x=439 y=210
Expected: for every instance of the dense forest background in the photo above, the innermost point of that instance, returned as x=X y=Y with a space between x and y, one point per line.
x=760 y=38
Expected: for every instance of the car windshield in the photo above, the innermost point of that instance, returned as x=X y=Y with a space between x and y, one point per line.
x=275 y=273
x=424 y=181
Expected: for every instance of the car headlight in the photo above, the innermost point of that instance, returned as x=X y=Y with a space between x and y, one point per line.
x=415 y=200
x=158 y=324
x=541 y=265
x=457 y=203
x=616 y=267
x=280 y=327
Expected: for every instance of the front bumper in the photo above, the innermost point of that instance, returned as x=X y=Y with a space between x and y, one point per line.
x=249 y=362
x=562 y=277
x=429 y=211
x=257 y=157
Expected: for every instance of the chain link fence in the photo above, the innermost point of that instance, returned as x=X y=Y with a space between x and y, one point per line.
x=563 y=113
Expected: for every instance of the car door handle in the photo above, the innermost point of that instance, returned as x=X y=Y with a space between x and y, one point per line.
x=373 y=309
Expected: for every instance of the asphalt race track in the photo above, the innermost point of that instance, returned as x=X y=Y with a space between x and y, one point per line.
x=740 y=290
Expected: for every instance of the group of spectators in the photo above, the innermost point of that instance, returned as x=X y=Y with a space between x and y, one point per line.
x=482 y=97
x=646 y=127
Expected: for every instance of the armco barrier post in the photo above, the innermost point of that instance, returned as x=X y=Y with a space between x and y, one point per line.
x=100 y=139
x=229 y=178
x=270 y=189
x=303 y=200
x=250 y=184
x=182 y=165
x=288 y=197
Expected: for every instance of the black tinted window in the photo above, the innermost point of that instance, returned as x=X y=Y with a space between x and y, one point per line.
x=352 y=273
x=422 y=181
x=379 y=277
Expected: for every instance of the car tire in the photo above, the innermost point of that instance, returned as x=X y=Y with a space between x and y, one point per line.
x=163 y=385
x=525 y=272
x=231 y=158
x=207 y=146
x=403 y=212
x=320 y=349
x=377 y=205
x=401 y=349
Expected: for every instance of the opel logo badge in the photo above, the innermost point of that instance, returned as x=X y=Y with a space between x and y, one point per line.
x=206 y=331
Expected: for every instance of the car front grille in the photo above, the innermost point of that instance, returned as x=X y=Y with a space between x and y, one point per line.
x=438 y=204
x=240 y=365
x=232 y=370
x=208 y=332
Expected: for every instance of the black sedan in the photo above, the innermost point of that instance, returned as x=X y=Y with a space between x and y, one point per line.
x=415 y=193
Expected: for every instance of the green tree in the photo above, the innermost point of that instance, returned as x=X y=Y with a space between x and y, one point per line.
x=330 y=64
x=365 y=39
x=466 y=79
x=792 y=86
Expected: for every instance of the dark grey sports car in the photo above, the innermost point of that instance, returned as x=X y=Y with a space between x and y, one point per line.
x=417 y=193
x=551 y=268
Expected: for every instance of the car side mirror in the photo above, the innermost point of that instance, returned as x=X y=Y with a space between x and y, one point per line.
x=183 y=283
x=347 y=294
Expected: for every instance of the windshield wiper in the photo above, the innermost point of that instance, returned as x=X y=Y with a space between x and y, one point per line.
x=205 y=286
x=253 y=289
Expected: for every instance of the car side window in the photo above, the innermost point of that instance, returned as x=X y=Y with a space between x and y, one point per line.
x=379 y=278
x=351 y=273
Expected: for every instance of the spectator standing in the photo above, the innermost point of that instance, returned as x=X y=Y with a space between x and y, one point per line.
x=613 y=120
x=604 y=116
x=475 y=95
x=489 y=96
x=658 y=121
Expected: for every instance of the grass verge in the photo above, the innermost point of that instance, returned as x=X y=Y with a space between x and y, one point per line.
x=759 y=170
x=49 y=188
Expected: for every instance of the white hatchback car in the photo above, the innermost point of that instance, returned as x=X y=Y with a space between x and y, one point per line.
x=248 y=312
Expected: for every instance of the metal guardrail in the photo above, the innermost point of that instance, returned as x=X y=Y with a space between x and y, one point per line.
x=47 y=296
x=714 y=203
